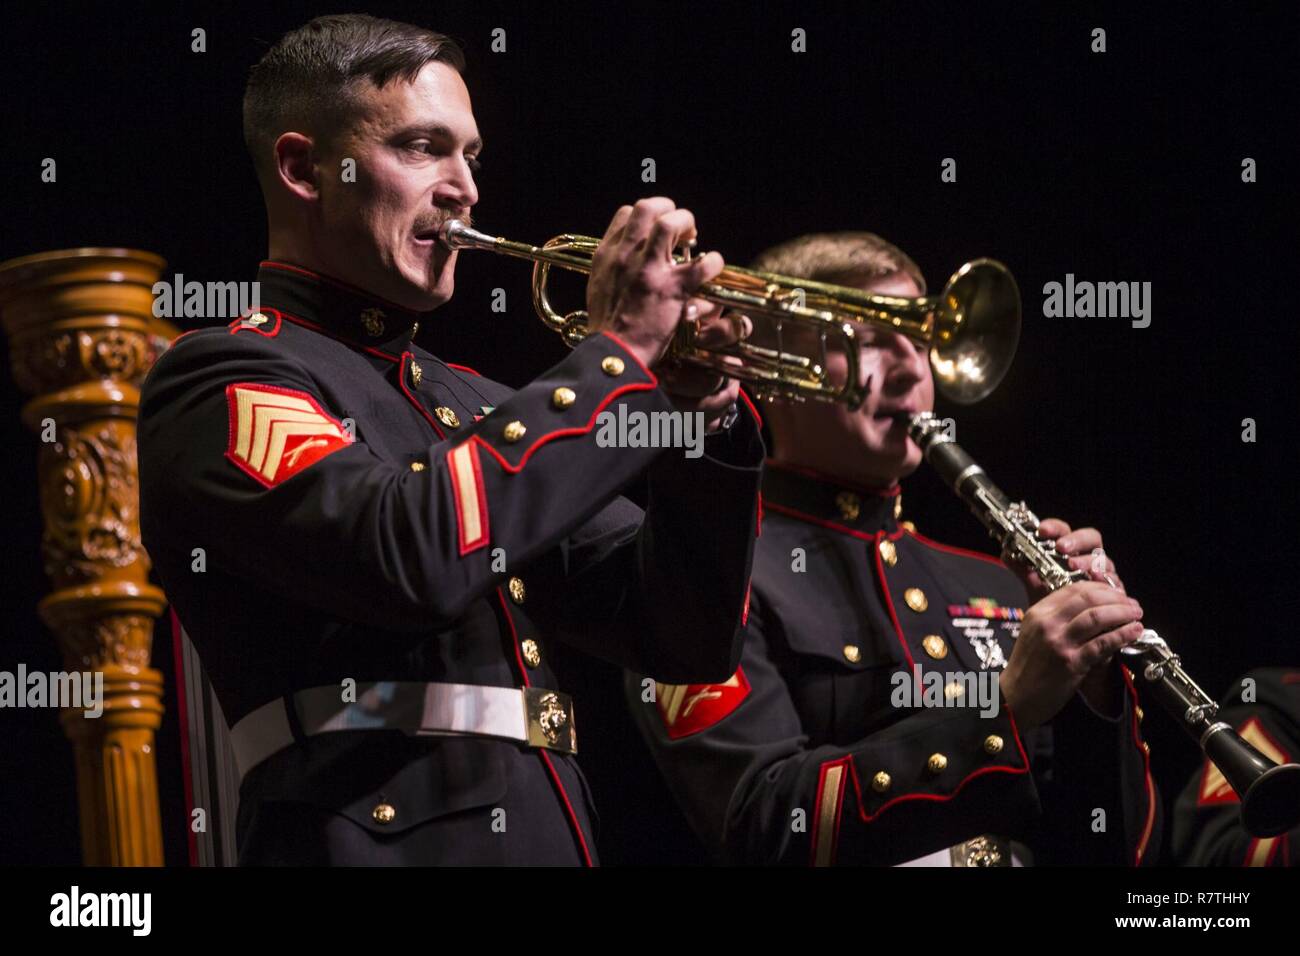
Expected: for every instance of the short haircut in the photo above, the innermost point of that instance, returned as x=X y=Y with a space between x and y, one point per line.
x=308 y=80
x=839 y=257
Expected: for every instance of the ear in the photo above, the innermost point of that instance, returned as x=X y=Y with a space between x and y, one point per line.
x=295 y=165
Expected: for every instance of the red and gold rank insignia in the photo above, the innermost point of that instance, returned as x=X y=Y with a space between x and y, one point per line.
x=1214 y=788
x=277 y=432
x=689 y=708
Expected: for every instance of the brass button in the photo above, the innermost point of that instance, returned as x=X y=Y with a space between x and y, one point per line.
x=880 y=782
x=954 y=690
x=916 y=599
x=417 y=373
x=1146 y=747
x=417 y=466
x=898 y=506
x=372 y=320
x=384 y=813
x=612 y=365
x=993 y=744
x=849 y=504
x=514 y=431
x=563 y=397
x=258 y=318
x=888 y=552
x=937 y=763
x=852 y=653
x=446 y=416
x=1140 y=714
x=532 y=653
x=516 y=588
x=935 y=646
x=908 y=525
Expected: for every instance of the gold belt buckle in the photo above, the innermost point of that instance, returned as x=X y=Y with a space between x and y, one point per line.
x=550 y=720
x=982 y=851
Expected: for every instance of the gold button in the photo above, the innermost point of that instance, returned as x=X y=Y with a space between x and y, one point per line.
x=880 y=782
x=417 y=373
x=908 y=525
x=417 y=466
x=1140 y=714
x=916 y=599
x=993 y=744
x=898 y=506
x=935 y=646
x=888 y=552
x=446 y=416
x=563 y=397
x=514 y=431
x=1146 y=747
x=954 y=690
x=937 y=763
x=516 y=588
x=612 y=365
x=849 y=504
x=384 y=813
x=532 y=653
x=258 y=318
x=852 y=654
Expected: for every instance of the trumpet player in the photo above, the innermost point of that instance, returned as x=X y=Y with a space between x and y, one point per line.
x=391 y=544
x=900 y=701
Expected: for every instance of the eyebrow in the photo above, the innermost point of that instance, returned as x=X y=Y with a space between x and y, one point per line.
x=437 y=129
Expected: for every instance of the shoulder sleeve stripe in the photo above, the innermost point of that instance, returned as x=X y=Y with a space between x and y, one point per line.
x=471 y=496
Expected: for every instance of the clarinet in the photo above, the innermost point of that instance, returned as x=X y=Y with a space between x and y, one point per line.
x=1269 y=792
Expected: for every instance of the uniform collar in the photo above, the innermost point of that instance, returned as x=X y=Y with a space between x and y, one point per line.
x=822 y=499
x=339 y=309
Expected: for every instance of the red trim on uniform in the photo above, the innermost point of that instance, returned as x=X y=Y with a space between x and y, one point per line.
x=623 y=345
x=1293 y=678
x=954 y=550
x=758 y=521
x=335 y=443
x=181 y=336
x=708 y=705
x=889 y=492
x=937 y=797
x=744 y=611
x=562 y=432
x=337 y=283
x=1272 y=850
x=179 y=665
x=468 y=545
x=889 y=601
x=821 y=522
x=753 y=410
x=305 y=323
x=546 y=759
x=401 y=382
x=1146 y=761
x=239 y=326
x=462 y=368
x=839 y=809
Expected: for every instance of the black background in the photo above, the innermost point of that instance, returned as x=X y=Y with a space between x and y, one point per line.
x=1122 y=166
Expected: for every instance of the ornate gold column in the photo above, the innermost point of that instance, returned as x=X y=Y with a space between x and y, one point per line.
x=82 y=335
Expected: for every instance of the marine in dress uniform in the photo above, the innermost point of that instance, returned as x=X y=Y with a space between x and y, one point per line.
x=373 y=551
x=1207 y=828
x=801 y=757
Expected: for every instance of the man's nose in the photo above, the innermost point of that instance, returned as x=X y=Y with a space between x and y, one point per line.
x=457 y=192
x=908 y=361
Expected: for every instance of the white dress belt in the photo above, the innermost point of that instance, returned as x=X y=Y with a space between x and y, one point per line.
x=529 y=715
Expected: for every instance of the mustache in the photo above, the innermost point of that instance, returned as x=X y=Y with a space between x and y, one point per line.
x=435 y=225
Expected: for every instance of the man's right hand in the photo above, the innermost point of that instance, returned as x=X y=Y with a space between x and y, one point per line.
x=1063 y=637
x=636 y=290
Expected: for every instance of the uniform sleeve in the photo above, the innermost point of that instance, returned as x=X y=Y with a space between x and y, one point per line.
x=664 y=592
x=241 y=439
x=1100 y=802
x=1207 y=828
x=740 y=766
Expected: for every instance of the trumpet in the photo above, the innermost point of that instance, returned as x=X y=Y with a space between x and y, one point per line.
x=971 y=328
x=1269 y=792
